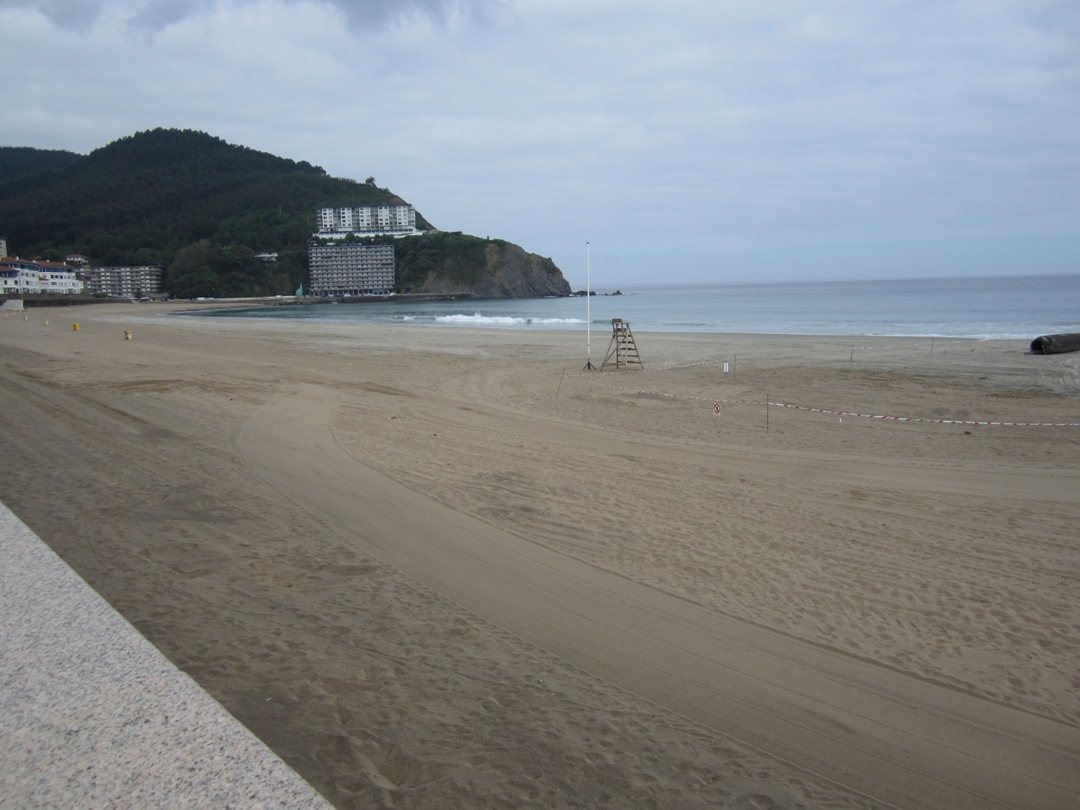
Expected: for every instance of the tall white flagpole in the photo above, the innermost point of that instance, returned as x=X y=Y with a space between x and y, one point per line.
x=588 y=311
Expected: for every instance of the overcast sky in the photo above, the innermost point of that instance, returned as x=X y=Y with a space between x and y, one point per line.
x=684 y=140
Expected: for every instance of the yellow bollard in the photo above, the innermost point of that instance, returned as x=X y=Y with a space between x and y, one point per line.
x=74 y=327
x=127 y=335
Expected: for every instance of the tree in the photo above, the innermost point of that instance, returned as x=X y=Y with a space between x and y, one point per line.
x=190 y=275
x=146 y=257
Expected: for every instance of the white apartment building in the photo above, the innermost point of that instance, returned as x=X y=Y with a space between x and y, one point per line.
x=350 y=268
x=26 y=277
x=366 y=220
x=124 y=282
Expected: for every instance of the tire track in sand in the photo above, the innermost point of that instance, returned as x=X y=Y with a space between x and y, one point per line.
x=899 y=739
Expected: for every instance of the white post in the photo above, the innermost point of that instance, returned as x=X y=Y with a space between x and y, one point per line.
x=588 y=309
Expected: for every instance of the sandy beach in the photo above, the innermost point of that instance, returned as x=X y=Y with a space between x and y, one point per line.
x=446 y=568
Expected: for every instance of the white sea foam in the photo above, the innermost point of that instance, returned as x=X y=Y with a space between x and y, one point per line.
x=478 y=319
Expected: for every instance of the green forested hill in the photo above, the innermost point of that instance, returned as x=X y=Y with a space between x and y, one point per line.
x=202 y=208
x=144 y=198
x=21 y=161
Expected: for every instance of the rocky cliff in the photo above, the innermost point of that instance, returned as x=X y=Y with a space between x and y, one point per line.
x=446 y=264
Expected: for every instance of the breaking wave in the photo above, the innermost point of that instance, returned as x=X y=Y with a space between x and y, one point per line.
x=477 y=319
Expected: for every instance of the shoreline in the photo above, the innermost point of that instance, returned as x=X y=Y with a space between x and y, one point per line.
x=191 y=309
x=255 y=499
x=1013 y=358
x=580 y=331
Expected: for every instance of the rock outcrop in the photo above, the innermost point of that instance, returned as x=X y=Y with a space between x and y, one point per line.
x=509 y=272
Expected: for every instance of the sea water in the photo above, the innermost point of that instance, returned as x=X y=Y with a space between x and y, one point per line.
x=988 y=308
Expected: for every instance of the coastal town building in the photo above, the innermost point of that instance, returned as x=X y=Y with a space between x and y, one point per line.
x=350 y=268
x=366 y=220
x=37 y=276
x=141 y=281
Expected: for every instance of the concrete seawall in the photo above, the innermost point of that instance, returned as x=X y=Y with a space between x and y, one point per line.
x=92 y=715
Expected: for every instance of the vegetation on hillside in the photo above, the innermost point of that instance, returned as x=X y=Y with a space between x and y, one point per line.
x=455 y=262
x=458 y=258
x=17 y=162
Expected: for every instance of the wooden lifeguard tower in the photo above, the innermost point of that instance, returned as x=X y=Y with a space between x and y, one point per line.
x=622 y=351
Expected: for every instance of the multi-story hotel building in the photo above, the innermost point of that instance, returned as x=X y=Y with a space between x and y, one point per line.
x=350 y=268
x=366 y=220
x=26 y=277
x=124 y=282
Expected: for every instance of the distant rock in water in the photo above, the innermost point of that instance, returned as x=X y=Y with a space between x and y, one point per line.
x=583 y=293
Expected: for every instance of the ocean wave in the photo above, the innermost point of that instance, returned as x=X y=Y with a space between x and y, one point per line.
x=478 y=319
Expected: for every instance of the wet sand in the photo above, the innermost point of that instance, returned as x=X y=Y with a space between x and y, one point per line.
x=447 y=568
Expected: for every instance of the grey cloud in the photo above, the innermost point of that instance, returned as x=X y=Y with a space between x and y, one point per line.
x=73 y=15
x=379 y=12
x=155 y=15
x=159 y=14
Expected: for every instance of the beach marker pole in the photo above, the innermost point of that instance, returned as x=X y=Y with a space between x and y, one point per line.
x=588 y=314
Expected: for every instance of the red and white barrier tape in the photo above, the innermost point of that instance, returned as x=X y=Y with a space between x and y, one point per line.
x=886 y=418
x=826 y=411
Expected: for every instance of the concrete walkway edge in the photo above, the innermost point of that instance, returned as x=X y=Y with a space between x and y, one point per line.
x=92 y=715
